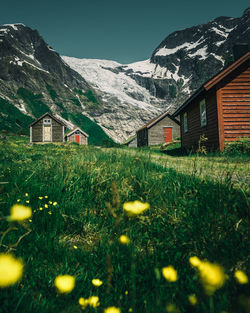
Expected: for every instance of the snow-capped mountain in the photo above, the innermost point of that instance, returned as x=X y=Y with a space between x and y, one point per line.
x=119 y=98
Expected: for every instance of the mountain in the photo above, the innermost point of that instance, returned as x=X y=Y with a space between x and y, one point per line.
x=34 y=79
x=103 y=97
x=178 y=66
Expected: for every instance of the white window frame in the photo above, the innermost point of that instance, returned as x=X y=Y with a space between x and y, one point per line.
x=203 y=113
x=47 y=121
x=185 y=122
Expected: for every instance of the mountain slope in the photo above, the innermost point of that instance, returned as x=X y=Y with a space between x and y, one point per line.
x=178 y=66
x=35 y=79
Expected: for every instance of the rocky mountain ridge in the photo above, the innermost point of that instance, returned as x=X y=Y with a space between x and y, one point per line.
x=119 y=98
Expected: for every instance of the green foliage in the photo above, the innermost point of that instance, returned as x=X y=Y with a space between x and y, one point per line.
x=242 y=145
x=76 y=102
x=96 y=135
x=91 y=97
x=13 y=120
x=35 y=105
x=78 y=91
x=188 y=216
x=172 y=91
x=52 y=92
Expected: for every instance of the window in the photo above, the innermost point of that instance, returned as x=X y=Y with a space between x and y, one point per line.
x=185 y=121
x=203 y=113
x=47 y=121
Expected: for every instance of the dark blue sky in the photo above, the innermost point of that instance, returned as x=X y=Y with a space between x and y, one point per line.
x=121 y=30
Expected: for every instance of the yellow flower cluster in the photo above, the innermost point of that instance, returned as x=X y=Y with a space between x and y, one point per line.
x=11 y=270
x=19 y=212
x=212 y=275
x=134 y=208
x=65 y=283
x=169 y=273
x=96 y=282
x=92 y=301
x=124 y=240
x=241 y=277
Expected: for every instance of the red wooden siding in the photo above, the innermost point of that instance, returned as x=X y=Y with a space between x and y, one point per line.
x=80 y=138
x=195 y=130
x=235 y=102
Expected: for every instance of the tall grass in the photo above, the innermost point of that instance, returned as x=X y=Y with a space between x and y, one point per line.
x=188 y=216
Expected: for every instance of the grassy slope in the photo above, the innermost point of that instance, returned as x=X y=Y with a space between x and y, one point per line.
x=188 y=216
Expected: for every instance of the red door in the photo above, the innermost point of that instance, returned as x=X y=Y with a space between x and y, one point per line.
x=77 y=138
x=168 y=134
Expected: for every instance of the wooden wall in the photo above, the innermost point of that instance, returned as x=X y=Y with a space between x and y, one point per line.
x=83 y=139
x=57 y=130
x=142 y=137
x=156 y=135
x=234 y=99
x=191 y=137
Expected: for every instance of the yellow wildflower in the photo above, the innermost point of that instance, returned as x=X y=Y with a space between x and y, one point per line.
x=130 y=310
x=65 y=283
x=40 y=208
x=75 y=247
x=96 y=282
x=49 y=212
x=124 y=240
x=126 y=292
x=112 y=309
x=135 y=207
x=94 y=301
x=46 y=197
x=40 y=198
x=18 y=200
x=171 y=308
x=170 y=273
x=50 y=202
x=83 y=302
x=212 y=276
x=55 y=203
x=194 y=261
x=192 y=299
x=20 y=212
x=46 y=206
x=27 y=201
x=11 y=270
x=26 y=195
x=30 y=220
x=241 y=277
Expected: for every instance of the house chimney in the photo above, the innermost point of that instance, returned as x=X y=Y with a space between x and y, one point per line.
x=239 y=50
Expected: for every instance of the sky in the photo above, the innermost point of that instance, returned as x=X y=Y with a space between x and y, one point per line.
x=125 y=31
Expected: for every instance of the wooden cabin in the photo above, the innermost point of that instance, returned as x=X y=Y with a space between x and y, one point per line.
x=77 y=135
x=47 y=128
x=219 y=109
x=162 y=129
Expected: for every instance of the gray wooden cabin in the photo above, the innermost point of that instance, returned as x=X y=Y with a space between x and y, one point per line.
x=77 y=135
x=47 y=128
x=162 y=129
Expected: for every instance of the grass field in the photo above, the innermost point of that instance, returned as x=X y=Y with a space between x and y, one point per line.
x=199 y=206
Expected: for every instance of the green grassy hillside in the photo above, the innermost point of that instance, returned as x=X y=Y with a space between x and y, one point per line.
x=189 y=215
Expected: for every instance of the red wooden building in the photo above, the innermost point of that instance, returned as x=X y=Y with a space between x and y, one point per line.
x=220 y=109
x=77 y=135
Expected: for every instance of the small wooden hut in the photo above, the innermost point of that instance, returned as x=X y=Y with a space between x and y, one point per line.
x=47 y=128
x=162 y=129
x=77 y=135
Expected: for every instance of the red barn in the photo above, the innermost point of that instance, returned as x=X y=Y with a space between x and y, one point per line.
x=220 y=109
x=77 y=135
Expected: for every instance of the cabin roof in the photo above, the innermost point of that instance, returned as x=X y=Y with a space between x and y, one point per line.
x=127 y=141
x=158 y=119
x=70 y=132
x=52 y=116
x=214 y=81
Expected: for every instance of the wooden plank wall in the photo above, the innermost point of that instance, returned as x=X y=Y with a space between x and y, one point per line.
x=57 y=131
x=83 y=139
x=235 y=98
x=191 y=137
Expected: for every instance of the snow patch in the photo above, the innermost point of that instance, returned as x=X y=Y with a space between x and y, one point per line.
x=202 y=53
